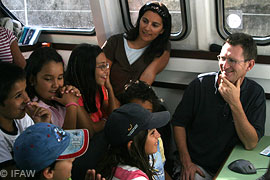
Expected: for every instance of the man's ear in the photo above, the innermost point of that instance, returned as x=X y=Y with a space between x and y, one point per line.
x=48 y=173
x=251 y=63
x=129 y=144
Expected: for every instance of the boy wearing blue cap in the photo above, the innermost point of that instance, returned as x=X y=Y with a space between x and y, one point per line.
x=14 y=103
x=49 y=150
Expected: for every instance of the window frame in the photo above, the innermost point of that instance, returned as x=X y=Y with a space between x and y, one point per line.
x=185 y=15
x=68 y=31
x=222 y=31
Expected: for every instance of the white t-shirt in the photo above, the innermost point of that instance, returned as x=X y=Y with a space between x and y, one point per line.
x=7 y=140
x=132 y=54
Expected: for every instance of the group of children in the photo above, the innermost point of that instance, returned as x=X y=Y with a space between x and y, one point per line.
x=37 y=103
x=81 y=99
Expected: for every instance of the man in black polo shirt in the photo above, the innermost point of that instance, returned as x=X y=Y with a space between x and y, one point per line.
x=219 y=110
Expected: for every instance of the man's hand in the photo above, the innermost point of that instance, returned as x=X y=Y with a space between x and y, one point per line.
x=188 y=172
x=37 y=113
x=229 y=91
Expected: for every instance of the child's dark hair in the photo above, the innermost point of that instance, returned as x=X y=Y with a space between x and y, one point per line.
x=158 y=45
x=36 y=61
x=135 y=157
x=10 y=74
x=81 y=74
x=142 y=91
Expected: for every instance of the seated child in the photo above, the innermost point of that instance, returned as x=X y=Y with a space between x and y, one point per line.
x=131 y=132
x=141 y=93
x=14 y=103
x=45 y=85
x=88 y=70
x=49 y=151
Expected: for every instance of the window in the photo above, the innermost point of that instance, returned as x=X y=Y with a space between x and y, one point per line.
x=178 y=10
x=249 y=16
x=74 y=15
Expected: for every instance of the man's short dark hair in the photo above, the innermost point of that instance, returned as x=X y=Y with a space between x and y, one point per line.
x=246 y=42
x=10 y=74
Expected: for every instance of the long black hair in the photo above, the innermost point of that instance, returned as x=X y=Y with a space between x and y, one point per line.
x=81 y=74
x=34 y=64
x=158 y=45
x=135 y=157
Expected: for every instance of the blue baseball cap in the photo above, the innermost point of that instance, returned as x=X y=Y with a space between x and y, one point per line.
x=43 y=143
x=128 y=120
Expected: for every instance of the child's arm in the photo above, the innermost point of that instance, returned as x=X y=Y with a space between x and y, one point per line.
x=112 y=102
x=17 y=54
x=70 y=96
x=98 y=126
x=84 y=121
x=37 y=113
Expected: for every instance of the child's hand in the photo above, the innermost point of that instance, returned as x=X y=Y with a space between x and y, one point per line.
x=69 y=94
x=91 y=175
x=70 y=89
x=66 y=99
x=108 y=84
x=37 y=113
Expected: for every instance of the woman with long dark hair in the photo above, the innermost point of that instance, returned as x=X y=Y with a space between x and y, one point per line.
x=142 y=52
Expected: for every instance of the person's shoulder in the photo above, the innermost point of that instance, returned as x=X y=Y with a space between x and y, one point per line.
x=1 y=136
x=25 y=122
x=25 y=118
x=116 y=37
x=3 y=29
x=253 y=85
x=41 y=103
x=129 y=173
x=112 y=42
x=207 y=75
x=203 y=79
x=128 y=168
x=168 y=46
